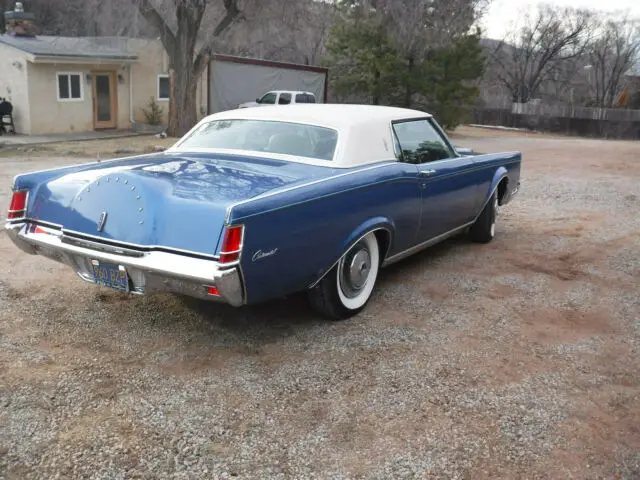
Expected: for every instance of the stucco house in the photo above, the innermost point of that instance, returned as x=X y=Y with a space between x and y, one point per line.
x=80 y=84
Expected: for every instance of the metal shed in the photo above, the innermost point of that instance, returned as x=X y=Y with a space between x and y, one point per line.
x=235 y=80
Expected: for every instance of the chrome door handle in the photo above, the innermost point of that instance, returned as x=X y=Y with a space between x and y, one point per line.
x=427 y=173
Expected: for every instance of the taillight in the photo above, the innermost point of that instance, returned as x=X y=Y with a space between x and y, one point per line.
x=18 y=205
x=231 y=243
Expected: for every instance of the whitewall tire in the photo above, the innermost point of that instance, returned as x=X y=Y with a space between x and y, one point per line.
x=347 y=288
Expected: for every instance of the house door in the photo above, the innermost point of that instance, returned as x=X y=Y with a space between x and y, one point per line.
x=105 y=100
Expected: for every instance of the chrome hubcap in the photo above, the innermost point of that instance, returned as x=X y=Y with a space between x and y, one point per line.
x=359 y=269
x=354 y=270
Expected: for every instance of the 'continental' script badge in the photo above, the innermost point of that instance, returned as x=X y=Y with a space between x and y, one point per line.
x=102 y=220
x=260 y=254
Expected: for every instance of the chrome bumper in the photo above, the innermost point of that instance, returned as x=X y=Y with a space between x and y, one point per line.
x=148 y=272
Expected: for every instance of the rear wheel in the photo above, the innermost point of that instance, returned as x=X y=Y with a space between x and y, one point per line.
x=347 y=288
x=484 y=228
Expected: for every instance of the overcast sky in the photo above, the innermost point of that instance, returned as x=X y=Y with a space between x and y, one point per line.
x=502 y=12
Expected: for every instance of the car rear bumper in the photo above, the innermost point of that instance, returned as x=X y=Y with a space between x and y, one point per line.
x=148 y=272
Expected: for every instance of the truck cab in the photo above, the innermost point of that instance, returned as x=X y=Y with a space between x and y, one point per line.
x=281 y=97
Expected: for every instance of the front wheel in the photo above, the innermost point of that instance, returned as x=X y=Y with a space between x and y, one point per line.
x=347 y=288
x=484 y=228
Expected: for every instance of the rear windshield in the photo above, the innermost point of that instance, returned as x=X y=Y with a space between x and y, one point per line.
x=265 y=136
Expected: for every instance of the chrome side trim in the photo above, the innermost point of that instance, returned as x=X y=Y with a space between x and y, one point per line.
x=137 y=246
x=421 y=246
x=428 y=243
x=302 y=185
x=347 y=251
x=42 y=223
x=102 y=247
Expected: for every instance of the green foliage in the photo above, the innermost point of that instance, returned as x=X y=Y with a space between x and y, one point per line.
x=362 y=59
x=367 y=65
x=448 y=78
x=153 y=112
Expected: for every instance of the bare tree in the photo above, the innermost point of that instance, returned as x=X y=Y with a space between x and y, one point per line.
x=188 y=44
x=611 y=54
x=286 y=31
x=530 y=52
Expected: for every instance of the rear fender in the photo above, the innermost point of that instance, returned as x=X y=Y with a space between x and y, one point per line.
x=372 y=225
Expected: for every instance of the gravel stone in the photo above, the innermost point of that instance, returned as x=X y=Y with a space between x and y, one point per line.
x=515 y=359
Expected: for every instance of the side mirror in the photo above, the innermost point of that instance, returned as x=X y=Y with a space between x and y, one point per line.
x=463 y=151
x=257 y=100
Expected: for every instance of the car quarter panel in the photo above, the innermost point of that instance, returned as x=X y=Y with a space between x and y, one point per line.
x=292 y=238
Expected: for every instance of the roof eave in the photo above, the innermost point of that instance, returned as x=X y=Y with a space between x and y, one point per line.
x=78 y=59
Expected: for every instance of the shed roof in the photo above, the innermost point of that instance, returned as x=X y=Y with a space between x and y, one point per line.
x=90 y=48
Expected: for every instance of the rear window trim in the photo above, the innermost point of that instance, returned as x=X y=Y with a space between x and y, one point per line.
x=178 y=147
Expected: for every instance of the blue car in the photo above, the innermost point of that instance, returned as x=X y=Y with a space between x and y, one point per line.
x=258 y=203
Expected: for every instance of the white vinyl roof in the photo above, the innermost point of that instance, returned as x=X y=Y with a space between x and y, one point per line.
x=364 y=131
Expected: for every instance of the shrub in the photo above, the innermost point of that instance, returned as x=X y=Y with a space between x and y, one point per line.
x=153 y=112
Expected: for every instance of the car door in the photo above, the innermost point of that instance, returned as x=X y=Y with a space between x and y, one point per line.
x=448 y=185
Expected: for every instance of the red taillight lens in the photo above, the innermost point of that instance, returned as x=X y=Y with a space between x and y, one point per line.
x=213 y=291
x=231 y=244
x=18 y=206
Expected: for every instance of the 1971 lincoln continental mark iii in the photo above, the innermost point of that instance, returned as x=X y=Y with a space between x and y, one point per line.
x=258 y=203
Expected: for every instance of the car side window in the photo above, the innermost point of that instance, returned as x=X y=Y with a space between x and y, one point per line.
x=305 y=98
x=420 y=142
x=285 y=99
x=268 y=98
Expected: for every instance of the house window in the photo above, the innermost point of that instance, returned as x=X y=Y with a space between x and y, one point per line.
x=69 y=87
x=163 y=87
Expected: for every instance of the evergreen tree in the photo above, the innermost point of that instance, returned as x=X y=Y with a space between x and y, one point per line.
x=370 y=62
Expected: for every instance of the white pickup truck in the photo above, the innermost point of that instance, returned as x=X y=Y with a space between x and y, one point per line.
x=281 y=97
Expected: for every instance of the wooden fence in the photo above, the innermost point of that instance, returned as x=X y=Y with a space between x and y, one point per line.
x=541 y=109
x=582 y=121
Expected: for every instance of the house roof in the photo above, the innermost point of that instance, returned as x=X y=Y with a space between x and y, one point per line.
x=90 y=48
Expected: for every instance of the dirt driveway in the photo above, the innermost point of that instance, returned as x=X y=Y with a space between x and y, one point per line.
x=516 y=359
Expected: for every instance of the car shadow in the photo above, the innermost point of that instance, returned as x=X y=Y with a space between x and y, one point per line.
x=423 y=259
x=265 y=322
x=271 y=320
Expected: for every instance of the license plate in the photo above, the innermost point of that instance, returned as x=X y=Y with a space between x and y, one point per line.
x=109 y=275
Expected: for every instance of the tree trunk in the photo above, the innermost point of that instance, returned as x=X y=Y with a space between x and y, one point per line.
x=185 y=65
x=408 y=93
x=183 y=109
x=376 y=87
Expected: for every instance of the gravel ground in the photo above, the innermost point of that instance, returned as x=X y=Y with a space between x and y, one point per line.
x=516 y=359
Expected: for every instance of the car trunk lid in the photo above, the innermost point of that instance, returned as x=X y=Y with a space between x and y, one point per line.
x=170 y=200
